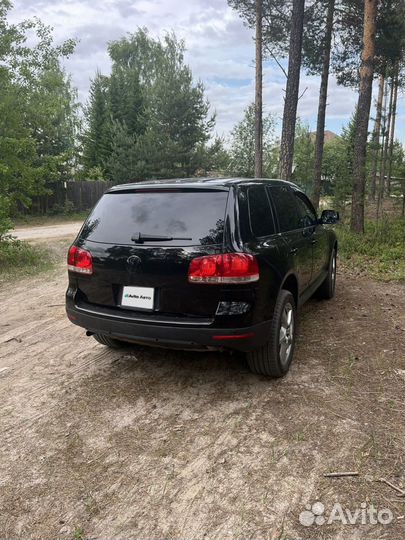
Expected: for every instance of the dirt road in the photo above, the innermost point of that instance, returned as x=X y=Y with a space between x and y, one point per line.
x=46 y=232
x=152 y=444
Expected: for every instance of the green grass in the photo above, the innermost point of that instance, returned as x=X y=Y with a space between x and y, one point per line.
x=78 y=534
x=49 y=219
x=379 y=253
x=19 y=259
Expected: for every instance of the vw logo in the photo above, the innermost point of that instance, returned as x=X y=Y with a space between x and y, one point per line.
x=133 y=262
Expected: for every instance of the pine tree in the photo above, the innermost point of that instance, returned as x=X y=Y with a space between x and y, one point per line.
x=259 y=92
x=242 y=149
x=317 y=60
x=337 y=165
x=126 y=100
x=363 y=113
x=123 y=163
x=149 y=118
x=96 y=138
x=291 y=93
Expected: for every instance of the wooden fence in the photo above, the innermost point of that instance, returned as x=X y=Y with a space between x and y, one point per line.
x=69 y=196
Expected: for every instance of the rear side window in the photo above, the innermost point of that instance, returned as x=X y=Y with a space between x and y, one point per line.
x=286 y=208
x=196 y=216
x=261 y=218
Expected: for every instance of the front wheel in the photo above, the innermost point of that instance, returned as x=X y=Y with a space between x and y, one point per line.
x=275 y=356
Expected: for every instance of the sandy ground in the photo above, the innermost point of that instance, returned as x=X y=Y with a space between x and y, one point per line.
x=46 y=232
x=151 y=444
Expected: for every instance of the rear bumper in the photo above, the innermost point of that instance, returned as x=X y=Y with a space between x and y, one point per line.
x=169 y=335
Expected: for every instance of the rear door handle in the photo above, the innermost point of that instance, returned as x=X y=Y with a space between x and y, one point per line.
x=294 y=251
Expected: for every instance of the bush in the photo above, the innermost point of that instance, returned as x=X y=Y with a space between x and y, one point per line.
x=378 y=253
x=5 y=222
x=95 y=174
x=65 y=209
x=18 y=258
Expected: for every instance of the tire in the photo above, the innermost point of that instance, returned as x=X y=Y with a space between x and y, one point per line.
x=274 y=357
x=110 y=342
x=327 y=288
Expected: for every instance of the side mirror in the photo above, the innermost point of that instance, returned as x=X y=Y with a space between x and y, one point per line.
x=329 y=217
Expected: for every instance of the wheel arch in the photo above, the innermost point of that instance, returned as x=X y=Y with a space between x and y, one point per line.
x=290 y=284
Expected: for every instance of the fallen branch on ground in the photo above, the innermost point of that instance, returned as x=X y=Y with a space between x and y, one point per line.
x=399 y=490
x=339 y=474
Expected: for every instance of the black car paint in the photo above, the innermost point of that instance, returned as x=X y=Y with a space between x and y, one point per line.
x=189 y=314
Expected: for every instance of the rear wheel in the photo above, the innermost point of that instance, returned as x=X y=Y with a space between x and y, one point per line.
x=326 y=290
x=275 y=356
x=110 y=342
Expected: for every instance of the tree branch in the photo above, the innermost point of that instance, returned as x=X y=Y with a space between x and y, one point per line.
x=277 y=62
x=299 y=97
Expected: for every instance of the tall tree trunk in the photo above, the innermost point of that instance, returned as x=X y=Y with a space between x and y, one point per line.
x=388 y=134
x=392 y=132
x=323 y=94
x=383 y=169
x=376 y=138
x=291 y=93
x=259 y=93
x=363 y=113
x=382 y=146
x=403 y=199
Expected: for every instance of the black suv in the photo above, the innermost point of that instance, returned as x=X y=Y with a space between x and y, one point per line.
x=202 y=264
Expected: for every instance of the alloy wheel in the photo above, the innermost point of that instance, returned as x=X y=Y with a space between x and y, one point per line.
x=286 y=334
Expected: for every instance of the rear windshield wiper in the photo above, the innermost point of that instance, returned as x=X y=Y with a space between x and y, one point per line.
x=140 y=238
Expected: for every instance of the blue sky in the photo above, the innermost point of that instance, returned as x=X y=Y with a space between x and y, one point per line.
x=220 y=51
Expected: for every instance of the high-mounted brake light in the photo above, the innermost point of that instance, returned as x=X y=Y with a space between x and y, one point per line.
x=224 y=268
x=80 y=260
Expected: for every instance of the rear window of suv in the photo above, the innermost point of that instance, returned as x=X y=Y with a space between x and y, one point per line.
x=197 y=215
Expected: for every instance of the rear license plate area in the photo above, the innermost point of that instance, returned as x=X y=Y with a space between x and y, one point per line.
x=141 y=298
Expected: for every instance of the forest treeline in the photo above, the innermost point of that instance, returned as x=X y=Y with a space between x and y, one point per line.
x=355 y=40
x=150 y=118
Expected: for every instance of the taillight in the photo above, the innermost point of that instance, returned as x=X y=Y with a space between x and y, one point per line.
x=80 y=260
x=224 y=268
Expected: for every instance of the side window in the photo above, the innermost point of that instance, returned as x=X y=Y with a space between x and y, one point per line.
x=306 y=213
x=285 y=206
x=261 y=218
